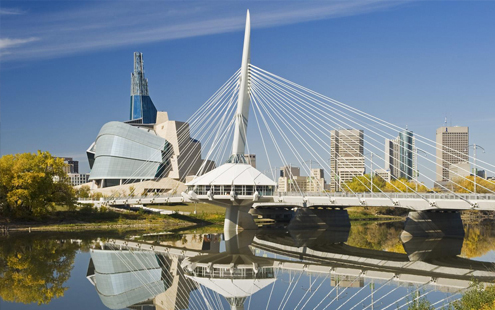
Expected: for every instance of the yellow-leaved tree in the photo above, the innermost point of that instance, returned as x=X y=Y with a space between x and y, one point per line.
x=466 y=185
x=31 y=185
x=34 y=269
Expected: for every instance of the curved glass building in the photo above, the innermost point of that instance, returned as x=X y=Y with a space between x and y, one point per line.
x=124 y=152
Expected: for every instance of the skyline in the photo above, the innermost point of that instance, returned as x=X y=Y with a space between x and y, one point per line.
x=102 y=73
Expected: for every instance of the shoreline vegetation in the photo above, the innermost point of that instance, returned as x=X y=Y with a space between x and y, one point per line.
x=109 y=218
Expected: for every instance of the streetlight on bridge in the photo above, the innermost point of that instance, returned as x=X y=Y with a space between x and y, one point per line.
x=416 y=173
x=371 y=168
x=475 y=146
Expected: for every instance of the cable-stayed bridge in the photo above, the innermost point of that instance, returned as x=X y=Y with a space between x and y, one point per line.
x=367 y=161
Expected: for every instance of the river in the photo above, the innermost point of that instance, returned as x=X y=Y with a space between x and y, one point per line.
x=369 y=265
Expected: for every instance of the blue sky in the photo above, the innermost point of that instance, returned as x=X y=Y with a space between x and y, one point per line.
x=65 y=65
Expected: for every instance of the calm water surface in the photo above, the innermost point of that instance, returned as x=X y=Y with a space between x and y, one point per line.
x=370 y=265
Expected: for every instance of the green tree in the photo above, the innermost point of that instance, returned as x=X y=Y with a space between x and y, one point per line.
x=478 y=298
x=132 y=191
x=83 y=192
x=34 y=269
x=31 y=185
x=97 y=196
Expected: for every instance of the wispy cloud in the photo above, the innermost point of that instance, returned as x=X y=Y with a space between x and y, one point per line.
x=6 y=43
x=110 y=24
x=11 y=11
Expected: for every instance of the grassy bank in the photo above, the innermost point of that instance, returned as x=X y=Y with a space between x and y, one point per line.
x=197 y=211
x=89 y=218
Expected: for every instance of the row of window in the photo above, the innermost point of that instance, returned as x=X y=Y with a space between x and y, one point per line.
x=262 y=190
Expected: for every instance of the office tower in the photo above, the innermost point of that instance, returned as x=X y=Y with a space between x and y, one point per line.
x=290 y=180
x=452 y=148
x=346 y=156
x=143 y=110
x=316 y=180
x=399 y=155
x=72 y=165
x=289 y=171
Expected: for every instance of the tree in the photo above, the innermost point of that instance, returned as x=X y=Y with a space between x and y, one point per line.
x=405 y=186
x=34 y=269
x=83 y=192
x=31 y=185
x=466 y=185
x=362 y=183
x=132 y=191
x=477 y=297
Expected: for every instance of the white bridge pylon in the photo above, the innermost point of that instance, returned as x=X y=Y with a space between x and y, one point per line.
x=236 y=177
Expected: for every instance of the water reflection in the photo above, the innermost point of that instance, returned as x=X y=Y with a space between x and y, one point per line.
x=318 y=263
x=33 y=269
x=291 y=268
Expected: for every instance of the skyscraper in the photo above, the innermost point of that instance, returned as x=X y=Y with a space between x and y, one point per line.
x=142 y=110
x=72 y=165
x=346 y=156
x=399 y=155
x=452 y=148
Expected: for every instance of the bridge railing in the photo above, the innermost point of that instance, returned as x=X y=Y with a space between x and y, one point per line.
x=392 y=195
x=133 y=197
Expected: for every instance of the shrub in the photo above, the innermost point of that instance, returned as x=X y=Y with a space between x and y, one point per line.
x=478 y=298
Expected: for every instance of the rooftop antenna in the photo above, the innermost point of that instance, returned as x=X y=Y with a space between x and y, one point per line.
x=445 y=122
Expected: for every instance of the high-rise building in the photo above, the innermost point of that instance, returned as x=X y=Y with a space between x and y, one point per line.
x=72 y=165
x=399 y=155
x=452 y=148
x=143 y=111
x=76 y=179
x=346 y=156
x=290 y=171
x=290 y=180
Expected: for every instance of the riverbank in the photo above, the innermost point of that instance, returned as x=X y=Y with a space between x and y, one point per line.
x=190 y=216
x=88 y=218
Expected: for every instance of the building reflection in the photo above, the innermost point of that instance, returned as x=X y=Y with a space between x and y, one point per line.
x=170 y=274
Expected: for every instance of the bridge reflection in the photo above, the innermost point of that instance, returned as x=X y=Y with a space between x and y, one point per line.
x=217 y=270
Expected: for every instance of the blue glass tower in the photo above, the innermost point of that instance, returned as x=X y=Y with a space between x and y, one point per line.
x=142 y=108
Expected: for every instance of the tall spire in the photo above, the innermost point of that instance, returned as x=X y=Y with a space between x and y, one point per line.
x=142 y=109
x=139 y=84
x=242 y=113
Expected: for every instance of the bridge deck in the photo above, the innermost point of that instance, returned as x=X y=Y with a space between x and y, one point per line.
x=427 y=201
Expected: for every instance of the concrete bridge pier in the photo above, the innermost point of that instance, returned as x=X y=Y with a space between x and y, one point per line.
x=238 y=218
x=313 y=218
x=278 y=214
x=433 y=224
x=238 y=243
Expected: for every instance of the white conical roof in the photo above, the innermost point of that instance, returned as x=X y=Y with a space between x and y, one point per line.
x=234 y=288
x=233 y=174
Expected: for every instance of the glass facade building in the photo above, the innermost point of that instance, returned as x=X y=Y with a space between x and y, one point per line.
x=399 y=156
x=124 y=278
x=126 y=152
